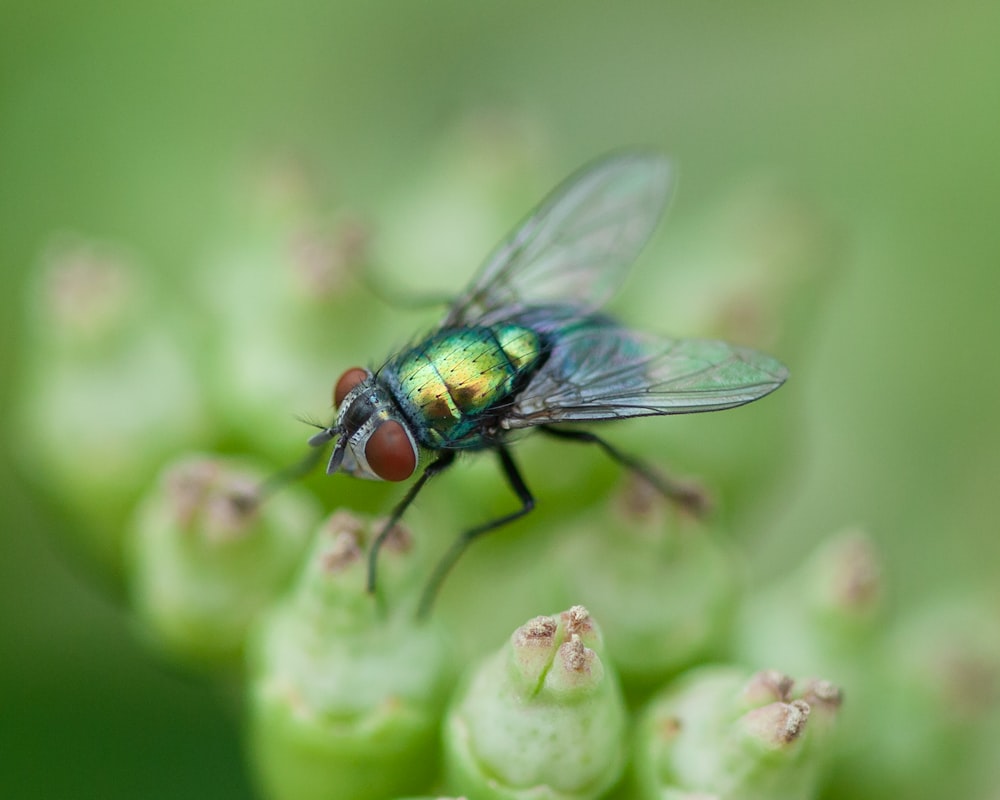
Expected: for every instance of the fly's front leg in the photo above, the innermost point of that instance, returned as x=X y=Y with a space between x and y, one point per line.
x=283 y=477
x=437 y=466
x=288 y=475
x=691 y=498
x=462 y=542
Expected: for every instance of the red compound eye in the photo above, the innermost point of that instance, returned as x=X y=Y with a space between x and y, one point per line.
x=348 y=381
x=390 y=453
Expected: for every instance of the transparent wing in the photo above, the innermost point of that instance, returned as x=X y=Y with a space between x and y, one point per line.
x=577 y=246
x=603 y=371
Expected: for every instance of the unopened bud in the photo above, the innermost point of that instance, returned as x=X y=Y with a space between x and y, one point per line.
x=777 y=724
x=766 y=687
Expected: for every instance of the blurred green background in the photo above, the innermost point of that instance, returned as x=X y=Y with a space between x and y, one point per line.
x=132 y=123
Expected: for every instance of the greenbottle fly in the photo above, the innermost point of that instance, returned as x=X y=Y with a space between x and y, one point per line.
x=526 y=345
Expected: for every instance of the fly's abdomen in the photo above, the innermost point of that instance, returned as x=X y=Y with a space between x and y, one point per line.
x=450 y=382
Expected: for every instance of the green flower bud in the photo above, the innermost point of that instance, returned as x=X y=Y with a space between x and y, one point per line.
x=656 y=575
x=824 y=615
x=541 y=718
x=932 y=708
x=776 y=725
x=206 y=557
x=109 y=389
x=717 y=734
x=346 y=690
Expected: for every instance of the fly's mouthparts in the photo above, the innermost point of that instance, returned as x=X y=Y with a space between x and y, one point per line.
x=337 y=456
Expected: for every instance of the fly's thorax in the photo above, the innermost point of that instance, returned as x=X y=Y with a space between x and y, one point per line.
x=451 y=385
x=375 y=440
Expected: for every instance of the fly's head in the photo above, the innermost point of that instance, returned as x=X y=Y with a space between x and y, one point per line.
x=373 y=441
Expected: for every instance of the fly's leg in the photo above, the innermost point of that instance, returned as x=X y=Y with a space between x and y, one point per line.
x=441 y=463
x=462 y=542
x=283 y=477
x=404 y=301
x=288 y=475
x=691 y=498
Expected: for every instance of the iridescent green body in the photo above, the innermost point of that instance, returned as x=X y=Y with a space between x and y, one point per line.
x=525 y=345
x=451 y=385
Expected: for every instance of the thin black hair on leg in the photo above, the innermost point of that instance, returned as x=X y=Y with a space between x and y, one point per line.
x=691 y=498
x=459 y=546
x=441 y=463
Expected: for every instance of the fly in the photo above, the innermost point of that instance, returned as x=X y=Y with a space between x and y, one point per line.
x=527 y=346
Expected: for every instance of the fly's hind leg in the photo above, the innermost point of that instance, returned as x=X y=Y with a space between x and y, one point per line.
x=462 y=542
x=690 y=497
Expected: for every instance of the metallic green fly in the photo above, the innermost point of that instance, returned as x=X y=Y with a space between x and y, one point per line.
x=526 y=346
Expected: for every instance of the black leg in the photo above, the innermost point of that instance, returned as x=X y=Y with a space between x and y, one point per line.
x=437 y=466
x=280 y=479
x=288 y=475
x=462 y=542
x=689 y=497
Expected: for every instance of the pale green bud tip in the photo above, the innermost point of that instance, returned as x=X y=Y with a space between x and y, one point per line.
x=87 y=288
x=577 y=622
x=853 y=573
x=556 y=649
x=716 y=730
x=544 y=719
x=778 y=724
x=532 y=648
x=334 y=582
x=767 y=686
x=776 y=719
x=574 y=657
x=823 y=696
x=779 y=709
x=576 y=669
x=202 y=495
x=342 y=536
x=206 y=556
x=344 y=539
